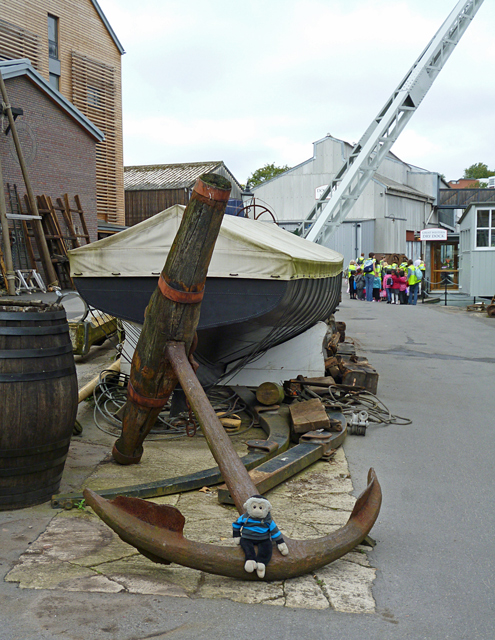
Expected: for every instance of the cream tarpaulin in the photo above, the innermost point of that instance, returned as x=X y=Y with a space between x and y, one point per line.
x=244 y=249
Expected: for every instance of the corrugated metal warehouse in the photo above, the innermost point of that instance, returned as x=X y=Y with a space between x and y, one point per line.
x=152 y=188
x=398 y=202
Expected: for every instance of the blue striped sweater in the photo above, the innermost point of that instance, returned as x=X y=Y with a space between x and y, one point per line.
x=255 y=529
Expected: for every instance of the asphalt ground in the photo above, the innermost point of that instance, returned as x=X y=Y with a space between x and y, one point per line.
x=434 y=556
x=435 y=559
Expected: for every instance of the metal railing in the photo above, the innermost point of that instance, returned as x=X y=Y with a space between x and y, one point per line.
x=445 y=282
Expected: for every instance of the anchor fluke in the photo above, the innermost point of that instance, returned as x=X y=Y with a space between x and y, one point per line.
x=147 y=527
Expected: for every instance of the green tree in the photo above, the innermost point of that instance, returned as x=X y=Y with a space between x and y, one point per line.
x=265 y=173
x=478 y=170
x=476 y=185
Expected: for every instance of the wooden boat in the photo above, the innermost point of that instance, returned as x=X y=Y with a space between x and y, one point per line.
x=265 y=285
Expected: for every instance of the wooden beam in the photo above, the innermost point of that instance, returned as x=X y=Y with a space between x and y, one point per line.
x=8 y=266
x=172 y=314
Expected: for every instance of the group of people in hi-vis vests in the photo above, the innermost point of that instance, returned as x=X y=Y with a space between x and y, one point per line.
x=375 y=280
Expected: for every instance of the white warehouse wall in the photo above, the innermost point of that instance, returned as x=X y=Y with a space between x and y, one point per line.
x=291 y=196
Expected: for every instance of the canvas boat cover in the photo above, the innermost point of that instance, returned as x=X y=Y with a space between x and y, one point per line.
x=245 y=248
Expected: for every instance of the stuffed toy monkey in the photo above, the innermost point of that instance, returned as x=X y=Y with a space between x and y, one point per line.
x=256 y=528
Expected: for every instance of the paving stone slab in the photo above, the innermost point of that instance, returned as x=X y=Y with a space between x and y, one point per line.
x=305 y=593
x=139 y=575
x=261 y=592
x=348 y=586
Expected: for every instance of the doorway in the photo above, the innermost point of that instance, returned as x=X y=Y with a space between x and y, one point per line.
x=444 y=261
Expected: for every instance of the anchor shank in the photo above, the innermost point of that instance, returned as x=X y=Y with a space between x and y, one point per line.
x=234 y=473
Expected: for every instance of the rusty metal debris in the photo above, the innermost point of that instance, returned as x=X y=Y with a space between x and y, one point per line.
x=93 y=331
x=285 y=465
x=155 y=530
x=275 y=427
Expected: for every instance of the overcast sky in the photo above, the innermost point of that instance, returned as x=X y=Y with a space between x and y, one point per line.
x=259 y=81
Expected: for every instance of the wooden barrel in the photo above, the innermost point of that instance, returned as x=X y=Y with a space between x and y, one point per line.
x=38 y=401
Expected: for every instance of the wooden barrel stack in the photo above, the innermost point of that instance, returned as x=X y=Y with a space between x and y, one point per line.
x=38 y=401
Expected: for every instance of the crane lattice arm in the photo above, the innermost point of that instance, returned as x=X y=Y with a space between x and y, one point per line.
x=378 y=139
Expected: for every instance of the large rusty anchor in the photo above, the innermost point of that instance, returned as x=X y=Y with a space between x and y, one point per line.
x=161 y=360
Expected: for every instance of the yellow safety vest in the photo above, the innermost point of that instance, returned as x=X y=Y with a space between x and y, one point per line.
x=411 y=275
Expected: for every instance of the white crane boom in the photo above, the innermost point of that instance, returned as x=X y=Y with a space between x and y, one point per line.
x=378 y=139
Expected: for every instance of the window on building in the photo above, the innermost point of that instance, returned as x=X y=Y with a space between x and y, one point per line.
x=485 y=228
x=94 y=93
x=52 y=37
x=93 y=96
x=55 y=81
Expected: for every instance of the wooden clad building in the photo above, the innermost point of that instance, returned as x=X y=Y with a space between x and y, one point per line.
x=152 y=188
x=72 y=45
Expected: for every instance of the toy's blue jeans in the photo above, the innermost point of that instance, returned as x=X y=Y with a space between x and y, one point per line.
x=368 y=280
x=264 y=553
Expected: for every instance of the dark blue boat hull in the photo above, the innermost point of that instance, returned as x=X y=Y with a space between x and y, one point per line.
x=240 y=317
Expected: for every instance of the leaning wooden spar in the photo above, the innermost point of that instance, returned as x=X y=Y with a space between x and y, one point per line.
x=172 y=314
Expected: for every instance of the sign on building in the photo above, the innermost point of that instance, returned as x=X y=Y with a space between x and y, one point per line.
x=433 y=234
x=319 y=192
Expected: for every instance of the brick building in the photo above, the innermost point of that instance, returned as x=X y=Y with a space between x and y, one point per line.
x=58 y=142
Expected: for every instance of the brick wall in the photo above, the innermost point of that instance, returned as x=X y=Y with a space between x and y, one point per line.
x=60 y=155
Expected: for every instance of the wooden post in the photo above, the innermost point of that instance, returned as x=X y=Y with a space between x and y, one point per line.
x=43 y=247
x=172 y=314
x=7 y=251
